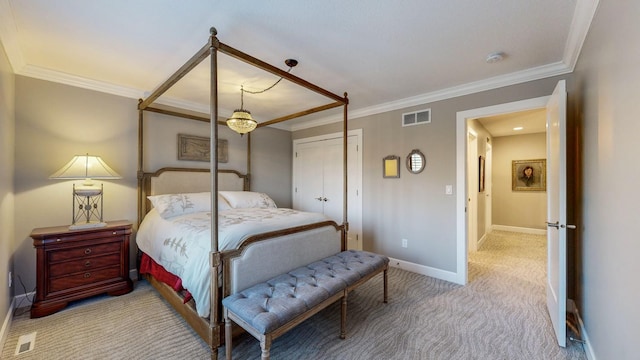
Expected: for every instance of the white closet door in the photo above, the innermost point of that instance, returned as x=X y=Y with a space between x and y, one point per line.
x=333 y=179
x=318 y=174
x=309 y=169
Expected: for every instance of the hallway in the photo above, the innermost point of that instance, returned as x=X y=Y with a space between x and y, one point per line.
x=509 y=271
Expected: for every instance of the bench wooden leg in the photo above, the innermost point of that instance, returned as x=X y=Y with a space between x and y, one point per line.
x=228 y=337
x=384 y=281
x=343 y=317
x=265 y=345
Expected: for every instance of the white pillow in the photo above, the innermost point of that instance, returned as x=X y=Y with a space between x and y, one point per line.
x=248 y=199
x=170 y=205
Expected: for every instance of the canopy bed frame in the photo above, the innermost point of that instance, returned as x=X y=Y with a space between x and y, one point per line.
x=211 y=329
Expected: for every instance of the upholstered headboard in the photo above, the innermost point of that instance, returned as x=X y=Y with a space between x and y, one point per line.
x=187 y=180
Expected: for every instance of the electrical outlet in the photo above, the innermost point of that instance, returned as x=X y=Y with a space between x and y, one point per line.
x=10 y=279
x=404 y=243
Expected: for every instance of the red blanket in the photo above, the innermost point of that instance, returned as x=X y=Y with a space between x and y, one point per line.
x=149 y=266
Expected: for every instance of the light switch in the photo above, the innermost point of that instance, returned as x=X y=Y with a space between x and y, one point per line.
x=448 y=189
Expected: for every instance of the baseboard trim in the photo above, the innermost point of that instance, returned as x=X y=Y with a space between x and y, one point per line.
x=520 y=229
x=588 y=350
x=6 y=324
x=483 y=238
x=424 y=270
x=584 y=338
x=24 y=300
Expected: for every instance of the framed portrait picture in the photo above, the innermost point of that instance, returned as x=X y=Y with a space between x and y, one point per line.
x=196 y=148
x=529 y=175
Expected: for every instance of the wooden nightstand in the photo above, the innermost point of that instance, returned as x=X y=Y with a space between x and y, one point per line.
x=75 y=264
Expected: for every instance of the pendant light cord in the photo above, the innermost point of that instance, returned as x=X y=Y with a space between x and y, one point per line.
x=242 y=90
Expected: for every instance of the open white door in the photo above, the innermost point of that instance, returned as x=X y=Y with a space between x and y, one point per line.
x=557 y=211
x=488 y=168
x=472 y=190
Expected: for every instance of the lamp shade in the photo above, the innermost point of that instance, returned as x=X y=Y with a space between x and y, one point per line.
x=86 y=167
x=241 y=122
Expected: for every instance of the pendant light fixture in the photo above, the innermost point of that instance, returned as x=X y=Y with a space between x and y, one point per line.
x=241 y=120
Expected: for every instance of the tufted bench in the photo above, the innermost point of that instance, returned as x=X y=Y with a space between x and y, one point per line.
x=268 y=310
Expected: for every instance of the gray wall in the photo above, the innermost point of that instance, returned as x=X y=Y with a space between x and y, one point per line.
x=55 y=122
x=415 y=207
x=269 y=168
x=605 y=100
x=7 y=126
x=525 y=209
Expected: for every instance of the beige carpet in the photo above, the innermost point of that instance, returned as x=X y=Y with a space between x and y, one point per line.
x=501 y=314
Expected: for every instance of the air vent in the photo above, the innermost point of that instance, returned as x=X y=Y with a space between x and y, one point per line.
x=26 y=343
x=416 y=117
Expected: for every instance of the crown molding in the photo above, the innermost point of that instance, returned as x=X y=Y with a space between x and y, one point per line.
x=9 y=37
x=492 y=83
x=113 y=89
x=519 y=77
x=79 y=81
x=582 y=17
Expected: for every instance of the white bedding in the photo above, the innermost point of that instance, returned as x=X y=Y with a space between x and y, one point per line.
x=181 y=244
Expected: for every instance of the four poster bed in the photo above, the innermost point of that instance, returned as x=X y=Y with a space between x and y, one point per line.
x=231 y=260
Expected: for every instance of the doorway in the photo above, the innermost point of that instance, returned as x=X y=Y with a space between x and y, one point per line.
x=463 y=212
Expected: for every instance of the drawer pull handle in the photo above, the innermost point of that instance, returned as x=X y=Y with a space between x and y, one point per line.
x=87 y=264
x=87 y=252
x=87 y=275
x=115 y=232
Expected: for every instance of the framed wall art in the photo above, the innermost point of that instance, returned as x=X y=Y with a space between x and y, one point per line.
x=391 y=167
x=529 y=175
x=196 y=148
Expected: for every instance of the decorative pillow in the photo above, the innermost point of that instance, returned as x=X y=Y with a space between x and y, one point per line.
x=170 y=205
x=248 y=199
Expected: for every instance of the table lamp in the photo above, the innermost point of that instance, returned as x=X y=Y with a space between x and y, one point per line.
x=87 y=197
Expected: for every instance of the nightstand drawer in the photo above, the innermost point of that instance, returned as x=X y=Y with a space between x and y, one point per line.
x=82 y=235
x=85 y=251
x=83 y=278
x=88 y=264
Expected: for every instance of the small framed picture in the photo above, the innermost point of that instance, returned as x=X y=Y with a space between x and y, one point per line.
x=529 y=175
x=391 y=167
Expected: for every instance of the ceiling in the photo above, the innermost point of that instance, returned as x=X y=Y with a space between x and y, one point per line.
x=387 y=55
x=518 y=123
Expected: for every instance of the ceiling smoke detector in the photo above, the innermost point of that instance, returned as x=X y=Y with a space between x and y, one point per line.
x=495 y=57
